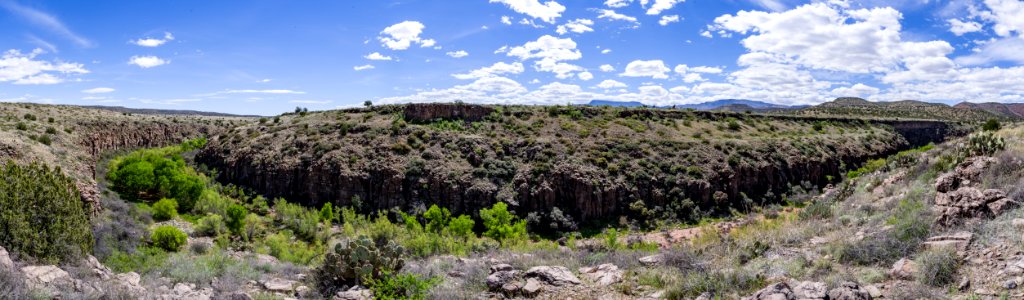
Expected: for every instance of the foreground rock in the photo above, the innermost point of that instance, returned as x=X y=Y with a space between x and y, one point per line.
x=958 y=198
x=557 y=275
x=603 y=275
x=809 y=290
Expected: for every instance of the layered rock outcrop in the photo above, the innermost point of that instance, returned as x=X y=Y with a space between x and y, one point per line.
x=958 y=197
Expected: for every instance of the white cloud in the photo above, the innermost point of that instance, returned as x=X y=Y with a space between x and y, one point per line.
x=683 y=69
x=458 y=54
x=547 y=12
x=958 y=27
x=665 y=20
x=585 y=76
x=577 y=26
x=506 y=20
x=147 y=62
x=617 y=3
x=612 y=15
x=23 y=68
x=662 y=5
x=610 y=84
x=496 y=69
x=99 y=90
x=47 y=21
x=402 y=35
x=265 y=80
x=1008 y=16
x=363 y=67
x=1003 y=50
x=607 y=68
x=646 y=68
x=377 y=56
x=773 y=5
x=857 y=90
x=154 y=42
x=550 y=52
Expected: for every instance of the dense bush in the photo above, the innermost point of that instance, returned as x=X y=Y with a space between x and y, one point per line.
x=991 y=125
x=211 y=225
x=937 y=267
x=157 y=173
x=461 y=226
x=42 y=214
x=303 y=221
x=910 y=226
x=165 y=209
x=283 y=247
x=358 y=261
x=169 y=238
x=236 y=218
x=436 y=218
x=119 y=227
x=501 y=224
x=402 y=286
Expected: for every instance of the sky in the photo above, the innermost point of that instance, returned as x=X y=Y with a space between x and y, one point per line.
x=267 y=57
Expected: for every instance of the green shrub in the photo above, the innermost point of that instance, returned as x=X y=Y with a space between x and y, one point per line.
x=211 y=202
x=611 y=239
x=436 y=218
x=733 y=124
x=303 y=221
x=21 y=126
x=211 y=225
x=51 y=130
x=462 y=226
x=327 y=213
x=252 y=228
x=158 y=173
x=165 y=209
x=991 y=125
x=281 y=246
x=143 y=260
x=937 y=267
x=910 y=226
x=236 y=218
x=42 y=214
x=358 y=261
x=45 y=140
x=817 y=210
x=501 y=224
x=169 y=238
x=402 y=286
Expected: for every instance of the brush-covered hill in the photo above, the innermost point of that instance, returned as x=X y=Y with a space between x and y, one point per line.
x=1006 y=110
x=594 y=163
x=905 y=109
x=74 y=137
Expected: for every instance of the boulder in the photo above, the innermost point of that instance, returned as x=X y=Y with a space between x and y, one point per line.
x=498 y=279
x=959 y=241
x=47 y=278
x=904 y=269
x=652 y=260
x=957 y=197
x=354 y=293
x=97 y=268
x=501 y=267
x=279 y=285
x=603 y=275
x=532 y=287
x=849 y=291
x=556 y=275
x=5 y=260
x=810 y=290
x=777 y=291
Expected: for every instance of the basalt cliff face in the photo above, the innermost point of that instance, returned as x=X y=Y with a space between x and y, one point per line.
x=591 y=163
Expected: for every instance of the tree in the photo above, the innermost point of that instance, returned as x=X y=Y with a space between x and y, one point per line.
x=169 y=238
x=436 y=218
x=327 y=213
x=165 y=209
x=42 y=214
x=501 y=224
x=368 y=103
x=461 y=226
x=236 y=218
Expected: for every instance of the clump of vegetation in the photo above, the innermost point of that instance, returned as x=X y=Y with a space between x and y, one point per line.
x=165 y=209
x=910 y=226
x=42 y=214
x=937 y=267
x=211 y=225
x=169 y=238
x=402 y=286
x=358 y=261
x=303 y=221
x=159 y=173
x=991 y=125
x=236 y=218
x=501 y=224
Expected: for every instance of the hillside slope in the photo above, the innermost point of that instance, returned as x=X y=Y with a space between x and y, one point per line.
x=595 y=163
x=906 y=109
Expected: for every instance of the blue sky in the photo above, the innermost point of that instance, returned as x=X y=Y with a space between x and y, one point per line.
x=266 y=57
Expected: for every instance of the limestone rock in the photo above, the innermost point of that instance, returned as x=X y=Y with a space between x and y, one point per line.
x=959 y=241
x=532 y=287
x=652 y=260
x=904 y=269
x=810 y=290
x=498 y=279
x=5 y=259
x=279 y=285
x=557 y=275
x=354 y=293
x=47 y=277
x=603 y=275
x=777 y=291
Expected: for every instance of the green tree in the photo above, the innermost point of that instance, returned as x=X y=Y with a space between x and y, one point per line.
x=236 y=218
x=436 y=218
x=461 y=226
x=327 y=213
x=501 y=224
x=165 y=209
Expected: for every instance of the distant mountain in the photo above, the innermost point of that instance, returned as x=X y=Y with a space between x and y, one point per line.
x=724 y=104
x=905 y=109
x=151 y=111
x=1009 y=110
x=615 y=103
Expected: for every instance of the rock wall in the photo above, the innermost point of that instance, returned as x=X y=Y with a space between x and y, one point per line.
x=426 y=112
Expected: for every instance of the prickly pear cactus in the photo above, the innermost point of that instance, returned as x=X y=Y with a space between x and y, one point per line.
x=354 y=261
x=978 y=144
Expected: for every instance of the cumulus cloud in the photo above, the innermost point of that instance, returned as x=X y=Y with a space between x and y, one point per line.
x=585 y=76
x=857 y=90
x=617 y=3
x=24 y=68
x=665 y=20
x=1003 y=50
x=458 y=54
x=99 y=90
x=549 y=53
x=607 y=68
x=154 y=42
x=496 y=69
x=377 y=56
x=506 y=20
x=363 y=67
x=1008 y=16
x=662 y=5
x=402 y=35
x=547 y=11
x=577 y=26
x=147 y=62
x=612 y=15
x=610 y=84
x=646 y=68
x=958 y=27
